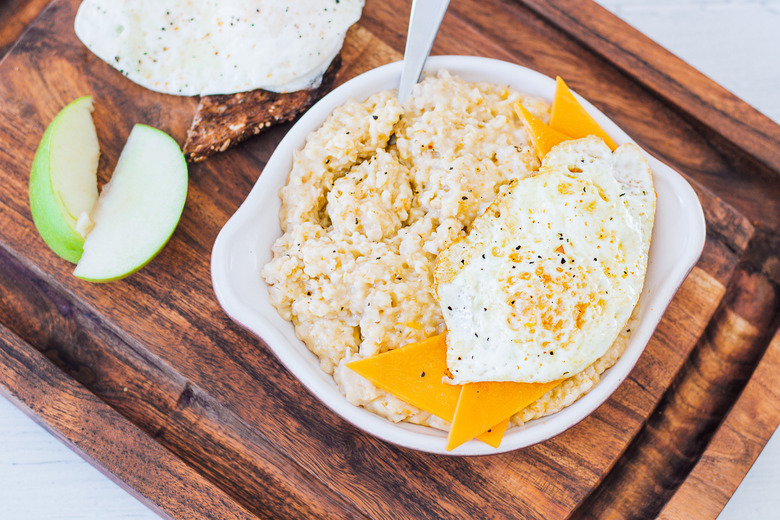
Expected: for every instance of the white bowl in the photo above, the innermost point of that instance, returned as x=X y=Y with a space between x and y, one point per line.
x=244 y=246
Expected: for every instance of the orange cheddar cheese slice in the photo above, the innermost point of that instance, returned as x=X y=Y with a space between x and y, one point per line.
x=543 y=136
x=483 y=404
x=569 y=116
x=414 y=374
x=494 y=435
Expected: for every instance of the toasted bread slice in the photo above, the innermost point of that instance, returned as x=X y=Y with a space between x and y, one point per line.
x=222 y=121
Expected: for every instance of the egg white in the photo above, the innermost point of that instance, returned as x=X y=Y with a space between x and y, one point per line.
x=198 y=47
x=550 y=273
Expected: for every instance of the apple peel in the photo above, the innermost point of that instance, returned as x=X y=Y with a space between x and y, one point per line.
x=115 y=234
x=138 y=210
x=63 y=179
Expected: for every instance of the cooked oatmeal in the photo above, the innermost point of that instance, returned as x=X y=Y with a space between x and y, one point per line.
x=373 y=197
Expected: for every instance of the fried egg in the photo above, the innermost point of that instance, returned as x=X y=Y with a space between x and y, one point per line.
x=212 y=47
x=549 y=275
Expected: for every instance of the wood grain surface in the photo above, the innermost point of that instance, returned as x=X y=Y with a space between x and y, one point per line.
x=157 y=350
x=15 y=17
x=736 y=444
x=81 y=420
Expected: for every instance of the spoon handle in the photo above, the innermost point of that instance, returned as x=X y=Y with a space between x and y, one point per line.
x=424 y=23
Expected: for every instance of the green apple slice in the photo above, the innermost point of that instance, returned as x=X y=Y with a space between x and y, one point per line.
x=138 y=210
x=63 y=180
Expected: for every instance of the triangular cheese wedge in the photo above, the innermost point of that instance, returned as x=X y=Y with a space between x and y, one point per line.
x=483 y=404
x=494 y=435
x=569 y=117
x=414 y=374
x=543 y=136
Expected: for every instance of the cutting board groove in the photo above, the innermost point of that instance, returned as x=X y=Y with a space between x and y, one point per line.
x=99 y=434
x=160 y=354
x=691 y=411
x=736 y=443
x=145 y=390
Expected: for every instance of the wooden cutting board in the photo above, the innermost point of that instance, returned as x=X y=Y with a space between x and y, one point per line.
x=148 y=378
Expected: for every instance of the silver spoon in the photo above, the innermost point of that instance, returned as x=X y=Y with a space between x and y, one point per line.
x=424 y=23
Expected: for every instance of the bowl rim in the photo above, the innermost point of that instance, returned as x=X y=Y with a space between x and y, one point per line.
x=420 y=437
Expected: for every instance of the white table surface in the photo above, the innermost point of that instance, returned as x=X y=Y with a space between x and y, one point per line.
x=735 y=42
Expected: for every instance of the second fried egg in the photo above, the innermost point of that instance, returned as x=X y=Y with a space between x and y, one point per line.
x=200 y=47
x=550 y=273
